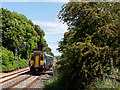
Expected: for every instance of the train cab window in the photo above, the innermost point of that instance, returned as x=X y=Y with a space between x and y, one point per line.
x=32 y=57
x=41 y=57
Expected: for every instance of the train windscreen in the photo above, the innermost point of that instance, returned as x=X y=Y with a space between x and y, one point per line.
x=32 y=57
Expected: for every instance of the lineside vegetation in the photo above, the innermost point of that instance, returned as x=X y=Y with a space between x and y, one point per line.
x=93 y=38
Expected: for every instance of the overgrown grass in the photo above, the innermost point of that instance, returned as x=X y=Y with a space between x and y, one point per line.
x=107 y=83
x=54 y=84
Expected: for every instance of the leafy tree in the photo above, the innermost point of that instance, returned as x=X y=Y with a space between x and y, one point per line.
x=48 y=50
x=41 y=34
x=91 y=41
x=15 y=25
x=42 y=44
x=50 y=53
x=58 y=57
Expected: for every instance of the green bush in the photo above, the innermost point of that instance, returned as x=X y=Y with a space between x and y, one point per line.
x=7 y=60
x=22 y=63
x=52 y=84
x=4 y=68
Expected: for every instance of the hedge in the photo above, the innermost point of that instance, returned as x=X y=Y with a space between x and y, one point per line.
x=8 y=61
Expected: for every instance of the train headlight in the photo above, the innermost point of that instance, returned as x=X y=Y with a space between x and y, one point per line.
x=31 y=64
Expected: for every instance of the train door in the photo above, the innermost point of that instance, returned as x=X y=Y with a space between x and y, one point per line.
x=37 y=60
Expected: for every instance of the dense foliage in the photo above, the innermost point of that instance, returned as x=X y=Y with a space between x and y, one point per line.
x=8 y=61
x=58 y=57
x=90 y=43
x=15 y=25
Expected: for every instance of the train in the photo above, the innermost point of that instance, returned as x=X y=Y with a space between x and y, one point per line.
x=40 y=61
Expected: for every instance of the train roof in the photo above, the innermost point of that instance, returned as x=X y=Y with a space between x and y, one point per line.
x=38 y=52
x=42 y=52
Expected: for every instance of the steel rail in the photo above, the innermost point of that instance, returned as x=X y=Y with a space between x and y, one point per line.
x=32 y=82
x=13 y=74
x=11 y=78
x=17 y=83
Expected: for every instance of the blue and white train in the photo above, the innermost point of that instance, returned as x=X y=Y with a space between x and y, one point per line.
x=40 y=61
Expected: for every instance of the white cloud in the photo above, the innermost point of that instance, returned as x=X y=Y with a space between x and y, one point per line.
x=43 y=23
x=35 y=0
x=60 y=29
x=52 y=27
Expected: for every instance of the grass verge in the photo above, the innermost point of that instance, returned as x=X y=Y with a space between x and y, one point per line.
x=107 y=83
x=52 y=84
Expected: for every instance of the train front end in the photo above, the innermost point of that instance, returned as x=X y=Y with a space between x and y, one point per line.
x=36 y=62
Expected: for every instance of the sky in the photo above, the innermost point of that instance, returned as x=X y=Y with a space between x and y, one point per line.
x=43 y=14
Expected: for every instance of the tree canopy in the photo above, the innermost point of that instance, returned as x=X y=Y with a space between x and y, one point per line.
x=92 y=39
x=15 y=25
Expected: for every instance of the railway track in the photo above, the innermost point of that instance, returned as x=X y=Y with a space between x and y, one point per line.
x=12 y=76
x=11 y=86
x=31 y=79
x=31 y=82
